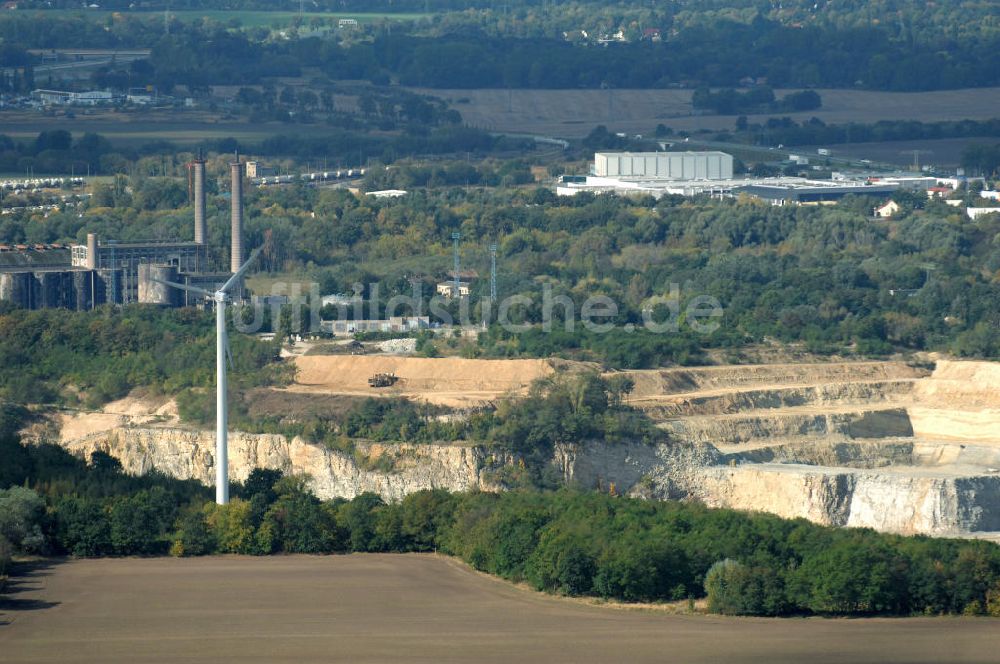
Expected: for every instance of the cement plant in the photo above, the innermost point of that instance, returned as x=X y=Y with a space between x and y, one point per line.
x=449 y=331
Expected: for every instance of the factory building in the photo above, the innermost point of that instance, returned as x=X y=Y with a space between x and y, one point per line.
x=123 y=272
x=654 y=174
x=41 y=276
x=126 y=257
x=813 y=191
x=188 y=267
x=143 y=264
x=660 y=174
x=664 y=165
x=339 y=328
x=66 y=288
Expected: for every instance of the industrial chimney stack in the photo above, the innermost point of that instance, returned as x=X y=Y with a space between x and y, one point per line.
x=199 y=200
x=236 y=254
x=91 y=251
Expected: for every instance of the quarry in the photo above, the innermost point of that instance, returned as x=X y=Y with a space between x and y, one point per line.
x=909 y=447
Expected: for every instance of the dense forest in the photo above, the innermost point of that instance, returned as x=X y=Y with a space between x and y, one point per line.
x=901 y=18
x=871 y=45
x=54 y=356
x=55 y=151
x=567 y=542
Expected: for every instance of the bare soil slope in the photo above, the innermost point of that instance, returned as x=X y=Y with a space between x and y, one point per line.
x=445 y=381
x=128 y=411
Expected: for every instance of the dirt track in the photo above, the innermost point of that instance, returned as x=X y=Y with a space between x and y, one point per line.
x=414 y=608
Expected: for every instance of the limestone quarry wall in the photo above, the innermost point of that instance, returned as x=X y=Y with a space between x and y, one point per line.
x=880 y=445
x=867 y=496
x=405 y=468
x=906 y=503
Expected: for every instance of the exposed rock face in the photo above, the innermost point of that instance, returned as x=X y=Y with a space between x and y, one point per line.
x=882 y=445
x=653 y=471
x=778 y=424
x=906 y=503
x=404 y=468
x=874 y=444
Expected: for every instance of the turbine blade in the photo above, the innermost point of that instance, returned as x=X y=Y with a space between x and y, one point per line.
x=233 y=280
x=193 y=289
x=229 y=352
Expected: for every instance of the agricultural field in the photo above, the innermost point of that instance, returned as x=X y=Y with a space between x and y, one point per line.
x=134 y=129
x=574 y=113
x=421 y=608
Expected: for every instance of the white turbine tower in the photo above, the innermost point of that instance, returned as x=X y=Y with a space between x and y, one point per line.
x=220 y=297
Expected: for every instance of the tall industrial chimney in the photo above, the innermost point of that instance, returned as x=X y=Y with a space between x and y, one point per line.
x=236 y=254
x=91 y=251
x=199 y=200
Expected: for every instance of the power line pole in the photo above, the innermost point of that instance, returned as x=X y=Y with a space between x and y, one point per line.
x=114 y=273
x=493 y=273
x=456 y=236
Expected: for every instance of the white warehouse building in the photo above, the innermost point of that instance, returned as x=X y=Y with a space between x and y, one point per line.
x=664 y=165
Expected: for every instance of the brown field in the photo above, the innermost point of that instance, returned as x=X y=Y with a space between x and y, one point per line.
x=414 y=608
x=573 y=113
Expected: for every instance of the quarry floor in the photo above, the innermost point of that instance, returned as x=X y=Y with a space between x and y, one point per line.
x=414 y=608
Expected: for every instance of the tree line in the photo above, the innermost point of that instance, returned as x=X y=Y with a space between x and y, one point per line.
x=718 y=48
x=56 y=151
x=758 y=99
x=814 y=131
x=103 y=354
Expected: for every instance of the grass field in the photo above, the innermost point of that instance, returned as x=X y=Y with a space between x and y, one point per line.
x=574 y=113
x=414 y=608
x=246 y=18
x=133 y=129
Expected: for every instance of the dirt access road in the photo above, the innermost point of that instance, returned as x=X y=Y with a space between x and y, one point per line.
x=445 y=381
x=413 y=608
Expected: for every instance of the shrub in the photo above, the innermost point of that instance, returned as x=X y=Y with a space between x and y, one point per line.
x=6 y=550
x=738 y=590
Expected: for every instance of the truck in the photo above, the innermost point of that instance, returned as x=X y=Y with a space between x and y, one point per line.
x=382 y=380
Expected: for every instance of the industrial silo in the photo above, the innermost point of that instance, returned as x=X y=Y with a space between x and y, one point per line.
x=152 y=291
x=83 y=289
x=18 y=289
x=55 y=289
x=108 y=286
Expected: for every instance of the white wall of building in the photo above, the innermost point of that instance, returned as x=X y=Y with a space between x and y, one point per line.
x=664 y=165
x=974 y=212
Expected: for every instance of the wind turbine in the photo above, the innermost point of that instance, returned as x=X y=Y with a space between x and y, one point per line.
x=220 y=297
